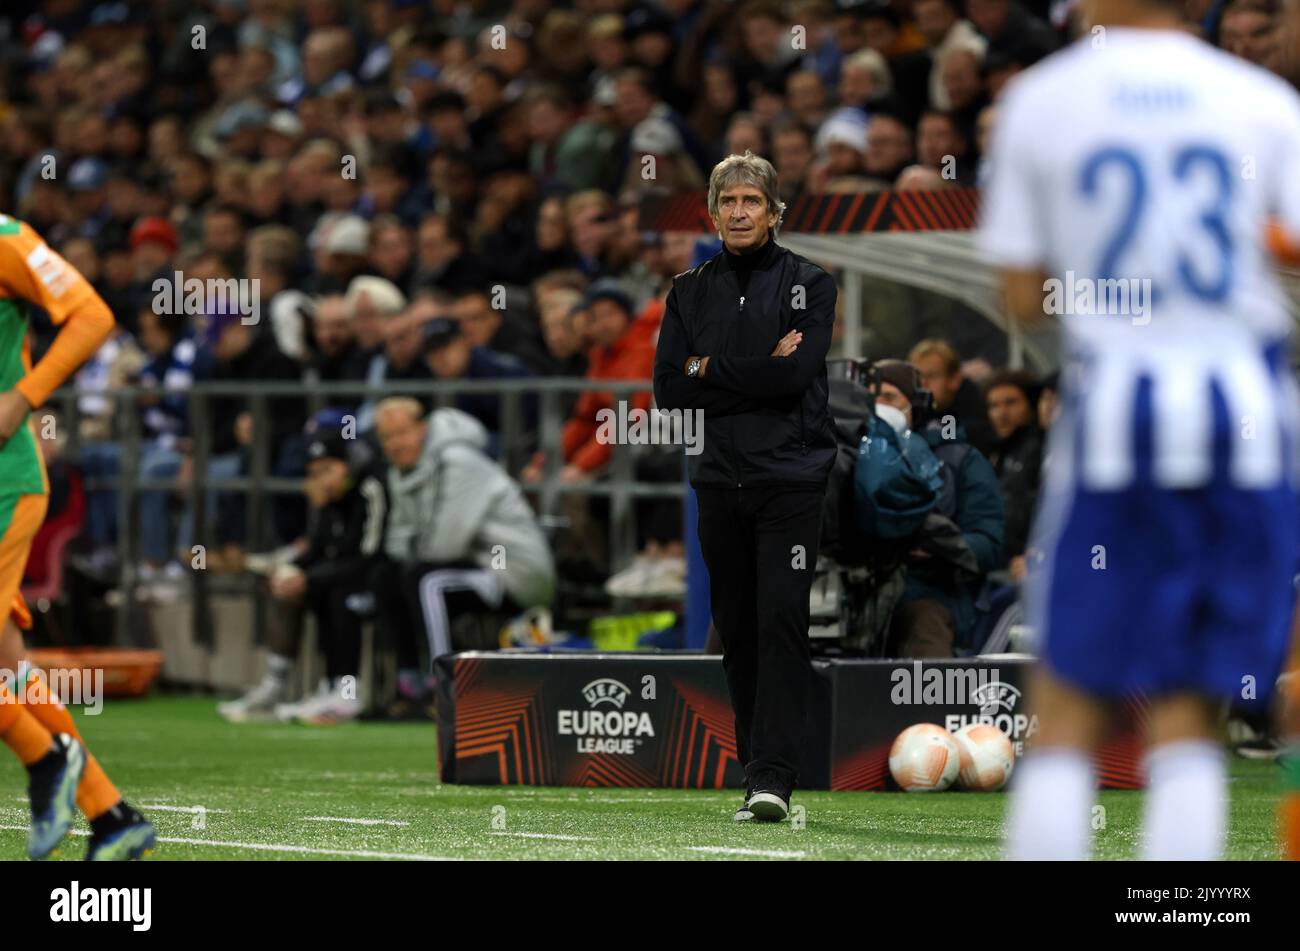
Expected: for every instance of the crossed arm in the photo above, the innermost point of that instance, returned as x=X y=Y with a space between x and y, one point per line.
x=728 y=384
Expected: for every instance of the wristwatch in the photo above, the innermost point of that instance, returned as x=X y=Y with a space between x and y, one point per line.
x=693 y=367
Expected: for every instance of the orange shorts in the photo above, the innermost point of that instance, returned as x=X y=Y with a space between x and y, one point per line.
x=20 y=518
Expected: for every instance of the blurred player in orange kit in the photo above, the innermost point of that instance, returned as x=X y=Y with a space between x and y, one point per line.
x=33 y=723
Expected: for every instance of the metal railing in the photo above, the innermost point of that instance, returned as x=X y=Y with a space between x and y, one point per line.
x=617 y=483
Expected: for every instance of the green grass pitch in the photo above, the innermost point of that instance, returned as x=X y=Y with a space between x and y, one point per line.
x=369 y=790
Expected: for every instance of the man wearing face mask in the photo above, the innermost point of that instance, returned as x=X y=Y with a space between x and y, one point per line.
x=961 y=539
x=744 y=340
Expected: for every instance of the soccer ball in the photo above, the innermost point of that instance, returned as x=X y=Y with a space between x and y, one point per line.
x=986 y=757
x=924 y=758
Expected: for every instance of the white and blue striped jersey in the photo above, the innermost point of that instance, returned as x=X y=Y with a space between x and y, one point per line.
x=1139 y=170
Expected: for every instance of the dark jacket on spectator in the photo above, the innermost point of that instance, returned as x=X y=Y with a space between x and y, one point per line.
x=963 y=535
x=263 y=361
x=973 y=416
x=1018 y=461
x=487 y=364
x=348 y=532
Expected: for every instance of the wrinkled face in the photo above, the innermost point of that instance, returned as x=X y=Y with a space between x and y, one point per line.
x=889 y=395
x=936 y=377
x=327 y=480
x=743 y=218
x=1009 y=410
x=401 y=437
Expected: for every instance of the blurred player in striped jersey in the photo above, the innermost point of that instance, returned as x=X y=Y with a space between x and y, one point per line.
x=33 y=723
x=1139 y=169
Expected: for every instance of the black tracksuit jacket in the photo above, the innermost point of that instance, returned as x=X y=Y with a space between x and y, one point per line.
x=765 y=417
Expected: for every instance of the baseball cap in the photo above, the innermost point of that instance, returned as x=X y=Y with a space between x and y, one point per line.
x=439 y=332
x=240 y=116
x=155 y=229
x=349 y=235
x=285 y=122
x=847 y=126
x=656 y=136
x=898 y=373
x=608 y=288
x=328 y=444
x=87 y=174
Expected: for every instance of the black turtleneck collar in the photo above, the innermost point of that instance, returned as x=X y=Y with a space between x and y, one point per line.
x=759 y=260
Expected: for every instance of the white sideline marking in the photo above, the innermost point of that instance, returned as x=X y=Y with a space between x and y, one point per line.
x=357 y=822
x=274 y=847
x=766 y=853
x=193 y=810
x=548 y=835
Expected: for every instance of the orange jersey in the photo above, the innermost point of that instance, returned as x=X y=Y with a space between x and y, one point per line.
x=32 y=272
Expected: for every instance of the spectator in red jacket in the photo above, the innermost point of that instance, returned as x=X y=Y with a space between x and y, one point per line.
x=623 y=348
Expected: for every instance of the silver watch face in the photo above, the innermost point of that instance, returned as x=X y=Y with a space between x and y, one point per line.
x=694 y=368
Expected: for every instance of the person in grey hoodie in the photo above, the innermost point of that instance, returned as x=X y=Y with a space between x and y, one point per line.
x=465 y=549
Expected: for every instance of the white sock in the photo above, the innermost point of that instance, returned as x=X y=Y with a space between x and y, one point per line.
x=1050 y=818
x=278 y=668
x=1186 y=807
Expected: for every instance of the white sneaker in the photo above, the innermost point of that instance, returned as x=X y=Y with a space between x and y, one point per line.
x=665 y=579
x=331 y=709
x=258 y=703
x=265 y=563
x=824 y=599
x=166 y=585
x=630 y=582
x=288 y=712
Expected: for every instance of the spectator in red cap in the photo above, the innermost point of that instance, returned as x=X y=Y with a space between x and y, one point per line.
x=153 y=243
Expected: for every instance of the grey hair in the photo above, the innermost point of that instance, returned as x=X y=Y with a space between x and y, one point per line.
x=747 y=169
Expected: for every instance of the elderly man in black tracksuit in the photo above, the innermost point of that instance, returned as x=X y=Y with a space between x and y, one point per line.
x=744 y=340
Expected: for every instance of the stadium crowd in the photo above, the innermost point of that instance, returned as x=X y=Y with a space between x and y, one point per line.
x=449 y=190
